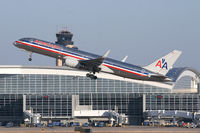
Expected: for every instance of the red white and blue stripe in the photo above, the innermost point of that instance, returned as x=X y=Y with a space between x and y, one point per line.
x=63 y=52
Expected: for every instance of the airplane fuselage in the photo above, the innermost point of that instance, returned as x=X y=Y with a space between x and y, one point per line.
x=109 y=65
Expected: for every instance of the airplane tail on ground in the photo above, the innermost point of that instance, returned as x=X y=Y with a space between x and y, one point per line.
x=164 y=64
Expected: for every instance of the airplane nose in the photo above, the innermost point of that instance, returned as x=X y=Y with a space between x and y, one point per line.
x=15 y=43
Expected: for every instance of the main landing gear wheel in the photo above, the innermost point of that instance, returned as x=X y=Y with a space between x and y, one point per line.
x=92 y=76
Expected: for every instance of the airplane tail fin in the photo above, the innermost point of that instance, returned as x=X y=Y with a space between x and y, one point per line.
x=164 y=64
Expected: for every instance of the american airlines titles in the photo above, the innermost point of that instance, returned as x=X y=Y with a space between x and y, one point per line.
x=47 y=44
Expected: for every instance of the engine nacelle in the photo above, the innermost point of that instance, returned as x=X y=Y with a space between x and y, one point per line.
x=72 y=62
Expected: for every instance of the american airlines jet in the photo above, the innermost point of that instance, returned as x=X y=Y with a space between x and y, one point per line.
x=94 y=63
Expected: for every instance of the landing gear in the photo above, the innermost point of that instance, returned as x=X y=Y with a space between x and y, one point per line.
x=30 y=56
x=92 y=76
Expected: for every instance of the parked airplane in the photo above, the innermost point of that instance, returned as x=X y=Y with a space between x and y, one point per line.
x=94 y=63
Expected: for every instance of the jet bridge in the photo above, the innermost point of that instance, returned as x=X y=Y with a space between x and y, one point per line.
x=170 y=114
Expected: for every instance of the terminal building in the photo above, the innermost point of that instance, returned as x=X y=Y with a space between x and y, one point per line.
x=62 y=93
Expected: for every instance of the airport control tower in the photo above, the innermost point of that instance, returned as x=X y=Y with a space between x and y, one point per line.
x=64 y=38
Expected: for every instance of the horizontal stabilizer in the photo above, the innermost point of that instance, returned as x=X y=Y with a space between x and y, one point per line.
x=164 y=64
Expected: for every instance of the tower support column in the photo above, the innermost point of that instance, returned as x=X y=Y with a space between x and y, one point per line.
x=59 y=62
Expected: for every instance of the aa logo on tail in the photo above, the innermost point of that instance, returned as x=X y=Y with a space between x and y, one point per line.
x=162 y=64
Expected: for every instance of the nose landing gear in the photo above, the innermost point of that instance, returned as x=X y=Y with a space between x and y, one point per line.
x=30 y=56
x=92 y=76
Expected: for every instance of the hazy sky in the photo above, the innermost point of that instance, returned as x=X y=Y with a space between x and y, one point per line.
x=142 y=29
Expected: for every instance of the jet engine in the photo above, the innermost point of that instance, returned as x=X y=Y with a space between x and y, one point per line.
x=72 y=62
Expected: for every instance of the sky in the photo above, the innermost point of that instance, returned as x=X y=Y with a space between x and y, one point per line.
x=145 y=30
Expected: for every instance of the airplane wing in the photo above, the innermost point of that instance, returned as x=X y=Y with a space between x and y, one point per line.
x=93 y=64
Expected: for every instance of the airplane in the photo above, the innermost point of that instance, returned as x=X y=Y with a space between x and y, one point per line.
x=94 y=63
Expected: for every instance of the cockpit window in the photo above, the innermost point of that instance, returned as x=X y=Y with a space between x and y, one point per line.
x=23 y=39
x=27 y=39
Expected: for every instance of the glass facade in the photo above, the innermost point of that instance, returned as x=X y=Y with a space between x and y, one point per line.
x=51 y=95
x=185 y=102
x=59 y=84
x=59 y=106
x=11 y=108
